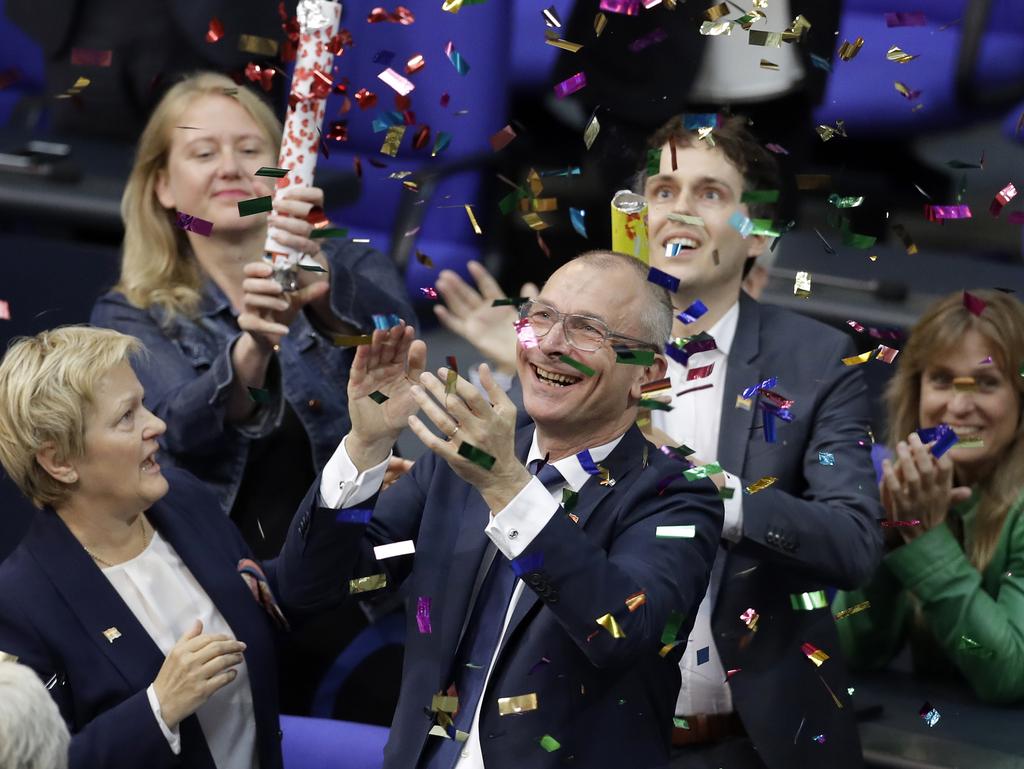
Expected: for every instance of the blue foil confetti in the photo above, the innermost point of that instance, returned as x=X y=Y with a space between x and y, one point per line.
x=354 y=515
x=578 y=218
x=663 y=279
x=694 y=311
x=587 y=462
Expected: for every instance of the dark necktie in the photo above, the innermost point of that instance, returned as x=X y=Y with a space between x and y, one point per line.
x=481 y=640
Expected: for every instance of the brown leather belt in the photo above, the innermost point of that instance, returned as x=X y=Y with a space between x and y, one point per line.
x=707 y=728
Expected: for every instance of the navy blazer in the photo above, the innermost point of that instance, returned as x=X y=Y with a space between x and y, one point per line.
x=55 y=605
x=816 y=527
x=607 y=701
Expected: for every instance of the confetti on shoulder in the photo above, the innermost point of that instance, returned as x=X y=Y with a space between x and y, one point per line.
x=676 y=532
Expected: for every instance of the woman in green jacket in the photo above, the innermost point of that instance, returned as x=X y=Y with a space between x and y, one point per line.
x=952 y=581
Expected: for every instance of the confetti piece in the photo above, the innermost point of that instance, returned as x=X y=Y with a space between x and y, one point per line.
x=672 y=625
x=350 y=340
x=534 y=222
x=820 y=739
x=634 y=357
x=366 y=584
x=524 y=332
x=393 y=140
x=750 y=618
x=905 y=91
x=384 y=322
x=259 y=395
x=443 y=703
x=821 y=63
x=401 y=15
x=848 y=50
x=856 y=360
x=896 y=54
x=676 y=532
x=929 y=714
x=741 y=223
x=763 y=38
x=565 y=45
x=815 y=655
x=626 y=7
x=972 y=647
x=808 y=601
x=899 y=524
x=460 y=64
x=215 y=30
x=378 y=397
x=89 y=57
x=549 y=743
x=581 y=367
x=354 y=515
x=716 y=28
x=452 y=377
x=522 y=703
x=501 y=139
x=255 y=206
x=826 y=458
x=398 y=83
x=394 y=549
x=194 y=224
x=760 y=484
x=663 y=279
x=943 y=436
x=653 y=37
x=935 y=213
x=760 y=196
x=903 y=235
x=862 y=606
x=591 y=131
x=259 y=46
x=914 y=19
x=429 y=292
x=472 y=219
x=441 y=142
x=608 y=622
x=551 y=17
x=964 y=384
x=1004 y=196
x=974 y=304
x=578 y=218
x=476 y=456
x=700 y=372
x=802 y=284
x=571 y=85
x=852 y=201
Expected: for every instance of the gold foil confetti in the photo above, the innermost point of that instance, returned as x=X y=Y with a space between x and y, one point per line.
x=964 y=384
x=856 y=360
x=848 y=50
x=696 y=221
x=899 y=56
x=510 y=706
x=761 y=484
x=565 y=45
x=350 y=340
x=814 y=654
x=472 y=219
x=591 y=131
x=366 y=584
x=765 y=64
x=636 y=600
x=600 y=22
x=442 y=703
x=715 y=12
x=392 y=140
x=797 y=29
x=607 y=621
x=763 y=38
x=534 y=222
x=853 y=610
x=261 y=46
x=802 y=284
x=716 y=28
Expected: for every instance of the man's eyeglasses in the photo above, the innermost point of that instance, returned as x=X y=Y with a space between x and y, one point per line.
x=581 y=331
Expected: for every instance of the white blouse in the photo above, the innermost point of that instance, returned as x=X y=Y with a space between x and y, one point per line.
x=166 y=600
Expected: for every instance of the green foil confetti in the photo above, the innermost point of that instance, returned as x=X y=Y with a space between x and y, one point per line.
x=328 y=232
x=549 y=743
x=808 y=601
x=760 y=196
x=653 y=405
x=475 y=455
x=583 y=368
x=635 y=357
x=672 y=625
x=276 y=173
x=255 y=206
x=378 y=396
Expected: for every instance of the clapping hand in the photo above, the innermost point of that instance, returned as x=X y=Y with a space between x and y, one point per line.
x=917 y=486
x=487 y=426
x=470 y=314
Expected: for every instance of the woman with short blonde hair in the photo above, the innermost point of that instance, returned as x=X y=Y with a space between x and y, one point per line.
x=953 y=579
x=131 y=595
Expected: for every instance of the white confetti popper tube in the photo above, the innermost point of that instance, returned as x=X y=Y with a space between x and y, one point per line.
x=318 y=23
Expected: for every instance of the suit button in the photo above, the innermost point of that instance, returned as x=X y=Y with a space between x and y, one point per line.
x=315 y=405
x=534 y=579
x=551 y=596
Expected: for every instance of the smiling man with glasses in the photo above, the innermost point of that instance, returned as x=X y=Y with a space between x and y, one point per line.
x=554 y=584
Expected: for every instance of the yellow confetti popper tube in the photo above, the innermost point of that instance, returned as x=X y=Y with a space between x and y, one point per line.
x=629 y=225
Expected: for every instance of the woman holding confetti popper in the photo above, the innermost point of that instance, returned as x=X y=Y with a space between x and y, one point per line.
x=952 y=582
x=245 y=375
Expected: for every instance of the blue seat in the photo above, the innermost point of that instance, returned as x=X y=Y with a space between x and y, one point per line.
x=385 y=210
x=320 y=743
x=969 y=58
x=20 y=58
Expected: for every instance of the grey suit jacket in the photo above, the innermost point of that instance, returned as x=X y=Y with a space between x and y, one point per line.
x=815 y=527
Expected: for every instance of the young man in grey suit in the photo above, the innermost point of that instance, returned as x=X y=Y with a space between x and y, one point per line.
x=764 y=684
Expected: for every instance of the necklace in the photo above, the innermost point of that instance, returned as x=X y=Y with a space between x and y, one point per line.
x=145 y=544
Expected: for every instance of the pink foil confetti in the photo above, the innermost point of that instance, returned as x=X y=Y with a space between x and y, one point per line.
x=400 y=84
x=423 y=614
x=935 y=213
x=1004 y=196
x=526 y=334
x=571 y=85
x=974 y=304
x=627 y=7
x=194 y=224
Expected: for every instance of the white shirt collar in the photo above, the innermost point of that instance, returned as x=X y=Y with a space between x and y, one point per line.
x=724 y=330
x=570 y=467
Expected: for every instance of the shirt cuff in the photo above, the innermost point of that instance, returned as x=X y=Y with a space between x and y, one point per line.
x=514 y=527
x=171 y=735
x=732 y=527
x=342 y=485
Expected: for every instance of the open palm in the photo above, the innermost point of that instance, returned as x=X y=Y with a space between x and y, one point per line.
x=389 y=365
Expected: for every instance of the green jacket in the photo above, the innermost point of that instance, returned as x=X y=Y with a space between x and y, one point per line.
x=968 y=620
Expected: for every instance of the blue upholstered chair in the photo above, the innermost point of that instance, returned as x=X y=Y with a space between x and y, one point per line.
x=320 y=743
x=386 y=210
x=969 y=62
x=21 y=68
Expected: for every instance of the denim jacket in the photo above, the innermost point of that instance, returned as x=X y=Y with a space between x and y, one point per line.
x=187 y=374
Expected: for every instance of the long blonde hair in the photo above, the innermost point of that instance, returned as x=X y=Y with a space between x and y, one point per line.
x=940 y=330
x=157 y=265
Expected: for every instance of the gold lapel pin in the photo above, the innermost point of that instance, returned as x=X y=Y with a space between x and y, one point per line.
x=111 y=634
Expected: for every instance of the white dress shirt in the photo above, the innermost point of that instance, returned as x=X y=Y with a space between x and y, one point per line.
x=166 y=599
x=694 y=420
x=512 y=529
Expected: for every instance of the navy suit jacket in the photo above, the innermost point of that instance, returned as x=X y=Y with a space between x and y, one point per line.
x=816 y=527
x=607 y=701
x=55 y=605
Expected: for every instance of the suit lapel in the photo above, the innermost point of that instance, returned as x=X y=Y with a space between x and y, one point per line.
x=625 y=458
x=743 y=371
x=107 y=621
